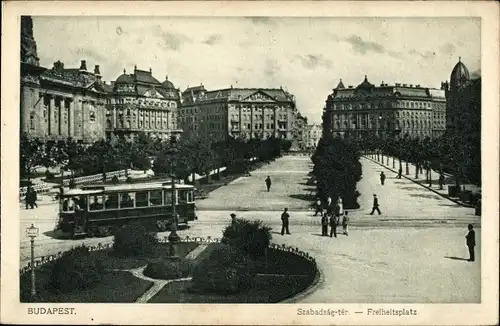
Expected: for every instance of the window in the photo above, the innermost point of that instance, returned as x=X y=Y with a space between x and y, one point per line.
x=141 y=199
x=127 y=200
x=155 y=197
x=111 y=201
x=167 y=197
x=96 y=203
x=32 y=121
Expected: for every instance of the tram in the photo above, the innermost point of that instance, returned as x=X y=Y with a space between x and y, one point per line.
x=98 y=210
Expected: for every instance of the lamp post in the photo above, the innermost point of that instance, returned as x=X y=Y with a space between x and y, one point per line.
x=32 y=233
x=173 y=237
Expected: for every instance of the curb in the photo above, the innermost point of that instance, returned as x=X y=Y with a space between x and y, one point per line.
x=319 y=279
x=422 y=185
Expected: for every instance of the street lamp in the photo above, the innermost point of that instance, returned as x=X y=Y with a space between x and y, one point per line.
x=173 y=237
x=32 y=233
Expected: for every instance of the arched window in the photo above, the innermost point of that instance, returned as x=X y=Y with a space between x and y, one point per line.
x=32 y=120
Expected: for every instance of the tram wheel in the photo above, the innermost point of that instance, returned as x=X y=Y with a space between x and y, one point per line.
x=91 y=232
x=104 y=231
x=162 y=226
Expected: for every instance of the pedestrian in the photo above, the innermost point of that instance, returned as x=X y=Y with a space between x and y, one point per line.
x=324 y=225
x=318 y=208
x=31 y=198
x=268 y=183
x=340 y=206
x=471 y=242
x=27 y=197
x=233 y=219
x=375 y=205
x=400 y=173
x=382 y=178
x=345 y=223
x=284 y=221
x=333 y=224
x=441 y=181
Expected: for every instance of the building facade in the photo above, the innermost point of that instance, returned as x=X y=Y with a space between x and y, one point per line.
x=245 y=113
x=59 y=103
x=312 y=135
x=459 y=91
x=138 y=102
x=385 y=111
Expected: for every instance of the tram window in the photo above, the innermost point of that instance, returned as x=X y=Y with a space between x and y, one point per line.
x=167 y=195
x=96 y=203
x=183 y=197
x=127 y=200
x=79 y=203
x=111 y=201
x=141 y=199
x=155 y=197
x=67 y=205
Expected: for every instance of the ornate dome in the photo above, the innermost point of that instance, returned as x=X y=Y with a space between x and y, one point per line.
x=168 y=84
x=459 y=75
x=124 y=79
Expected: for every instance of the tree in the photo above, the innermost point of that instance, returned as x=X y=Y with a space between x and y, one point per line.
x=32 y=154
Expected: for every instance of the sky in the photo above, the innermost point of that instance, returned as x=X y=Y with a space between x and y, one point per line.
x=306 y=56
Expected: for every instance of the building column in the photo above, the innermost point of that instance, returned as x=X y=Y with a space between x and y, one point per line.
x=52 y=106
x=275 y=110
x=71 y=122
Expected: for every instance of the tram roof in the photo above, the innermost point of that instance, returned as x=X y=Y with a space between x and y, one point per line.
x=126 y=187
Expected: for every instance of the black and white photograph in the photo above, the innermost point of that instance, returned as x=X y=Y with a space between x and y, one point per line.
x=250 y=158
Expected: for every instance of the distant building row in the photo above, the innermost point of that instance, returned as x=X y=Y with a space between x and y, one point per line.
x=390 y=110
x=58 y=103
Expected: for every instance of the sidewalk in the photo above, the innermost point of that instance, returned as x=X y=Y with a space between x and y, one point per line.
x=449 y=179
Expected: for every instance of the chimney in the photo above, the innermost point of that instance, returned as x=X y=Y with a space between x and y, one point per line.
x=404 y=85
x=150 y=70
x=350 y=86
x=96 y=70
x=83 y=66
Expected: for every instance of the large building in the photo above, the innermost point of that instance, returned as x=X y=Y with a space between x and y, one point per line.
x=245 y=113
x=459 y=92
x=58 y=103
x=312 y=135
x=385 y=110
x=138 y=102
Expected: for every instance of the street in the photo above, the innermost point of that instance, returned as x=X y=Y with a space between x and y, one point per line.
x=414 y=252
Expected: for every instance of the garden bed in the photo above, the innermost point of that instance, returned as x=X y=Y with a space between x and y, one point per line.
x=281 y=276
x=116 y=287
x=111 y=288
x=266 y=289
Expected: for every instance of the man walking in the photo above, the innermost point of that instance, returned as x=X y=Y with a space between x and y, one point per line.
x=375 y=205
x=441 y=181
x=268 y=183
x=284 y=222
x=345 y=222
x=471 y=242
x=400 y=173
x=324 y=225
x=233 y=219
x=382 y=178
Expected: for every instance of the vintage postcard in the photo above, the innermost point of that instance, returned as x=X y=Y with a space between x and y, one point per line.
x=250 y=163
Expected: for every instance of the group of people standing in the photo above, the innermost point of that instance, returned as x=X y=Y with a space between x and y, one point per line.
x=332 y=215
x=31 y=198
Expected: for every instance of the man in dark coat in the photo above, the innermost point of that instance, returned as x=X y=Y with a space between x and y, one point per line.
x=441 y=181
x=284 y=222
x=382 y=178
x=324 y=225
x=334 y=221
x=233 y=219
x=471 y=242
x=318 y=207
x=400 y=173
x=268 y=183
x=375 y=205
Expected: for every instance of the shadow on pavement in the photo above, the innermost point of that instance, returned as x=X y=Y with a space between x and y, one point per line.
x=306 y=197
x=456 y=258
x=56 y=234
x=413 y=188
x=425 y=196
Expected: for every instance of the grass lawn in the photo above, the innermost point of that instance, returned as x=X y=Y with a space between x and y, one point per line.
x=266 y=290
x=119 y=287
x=112 y=261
